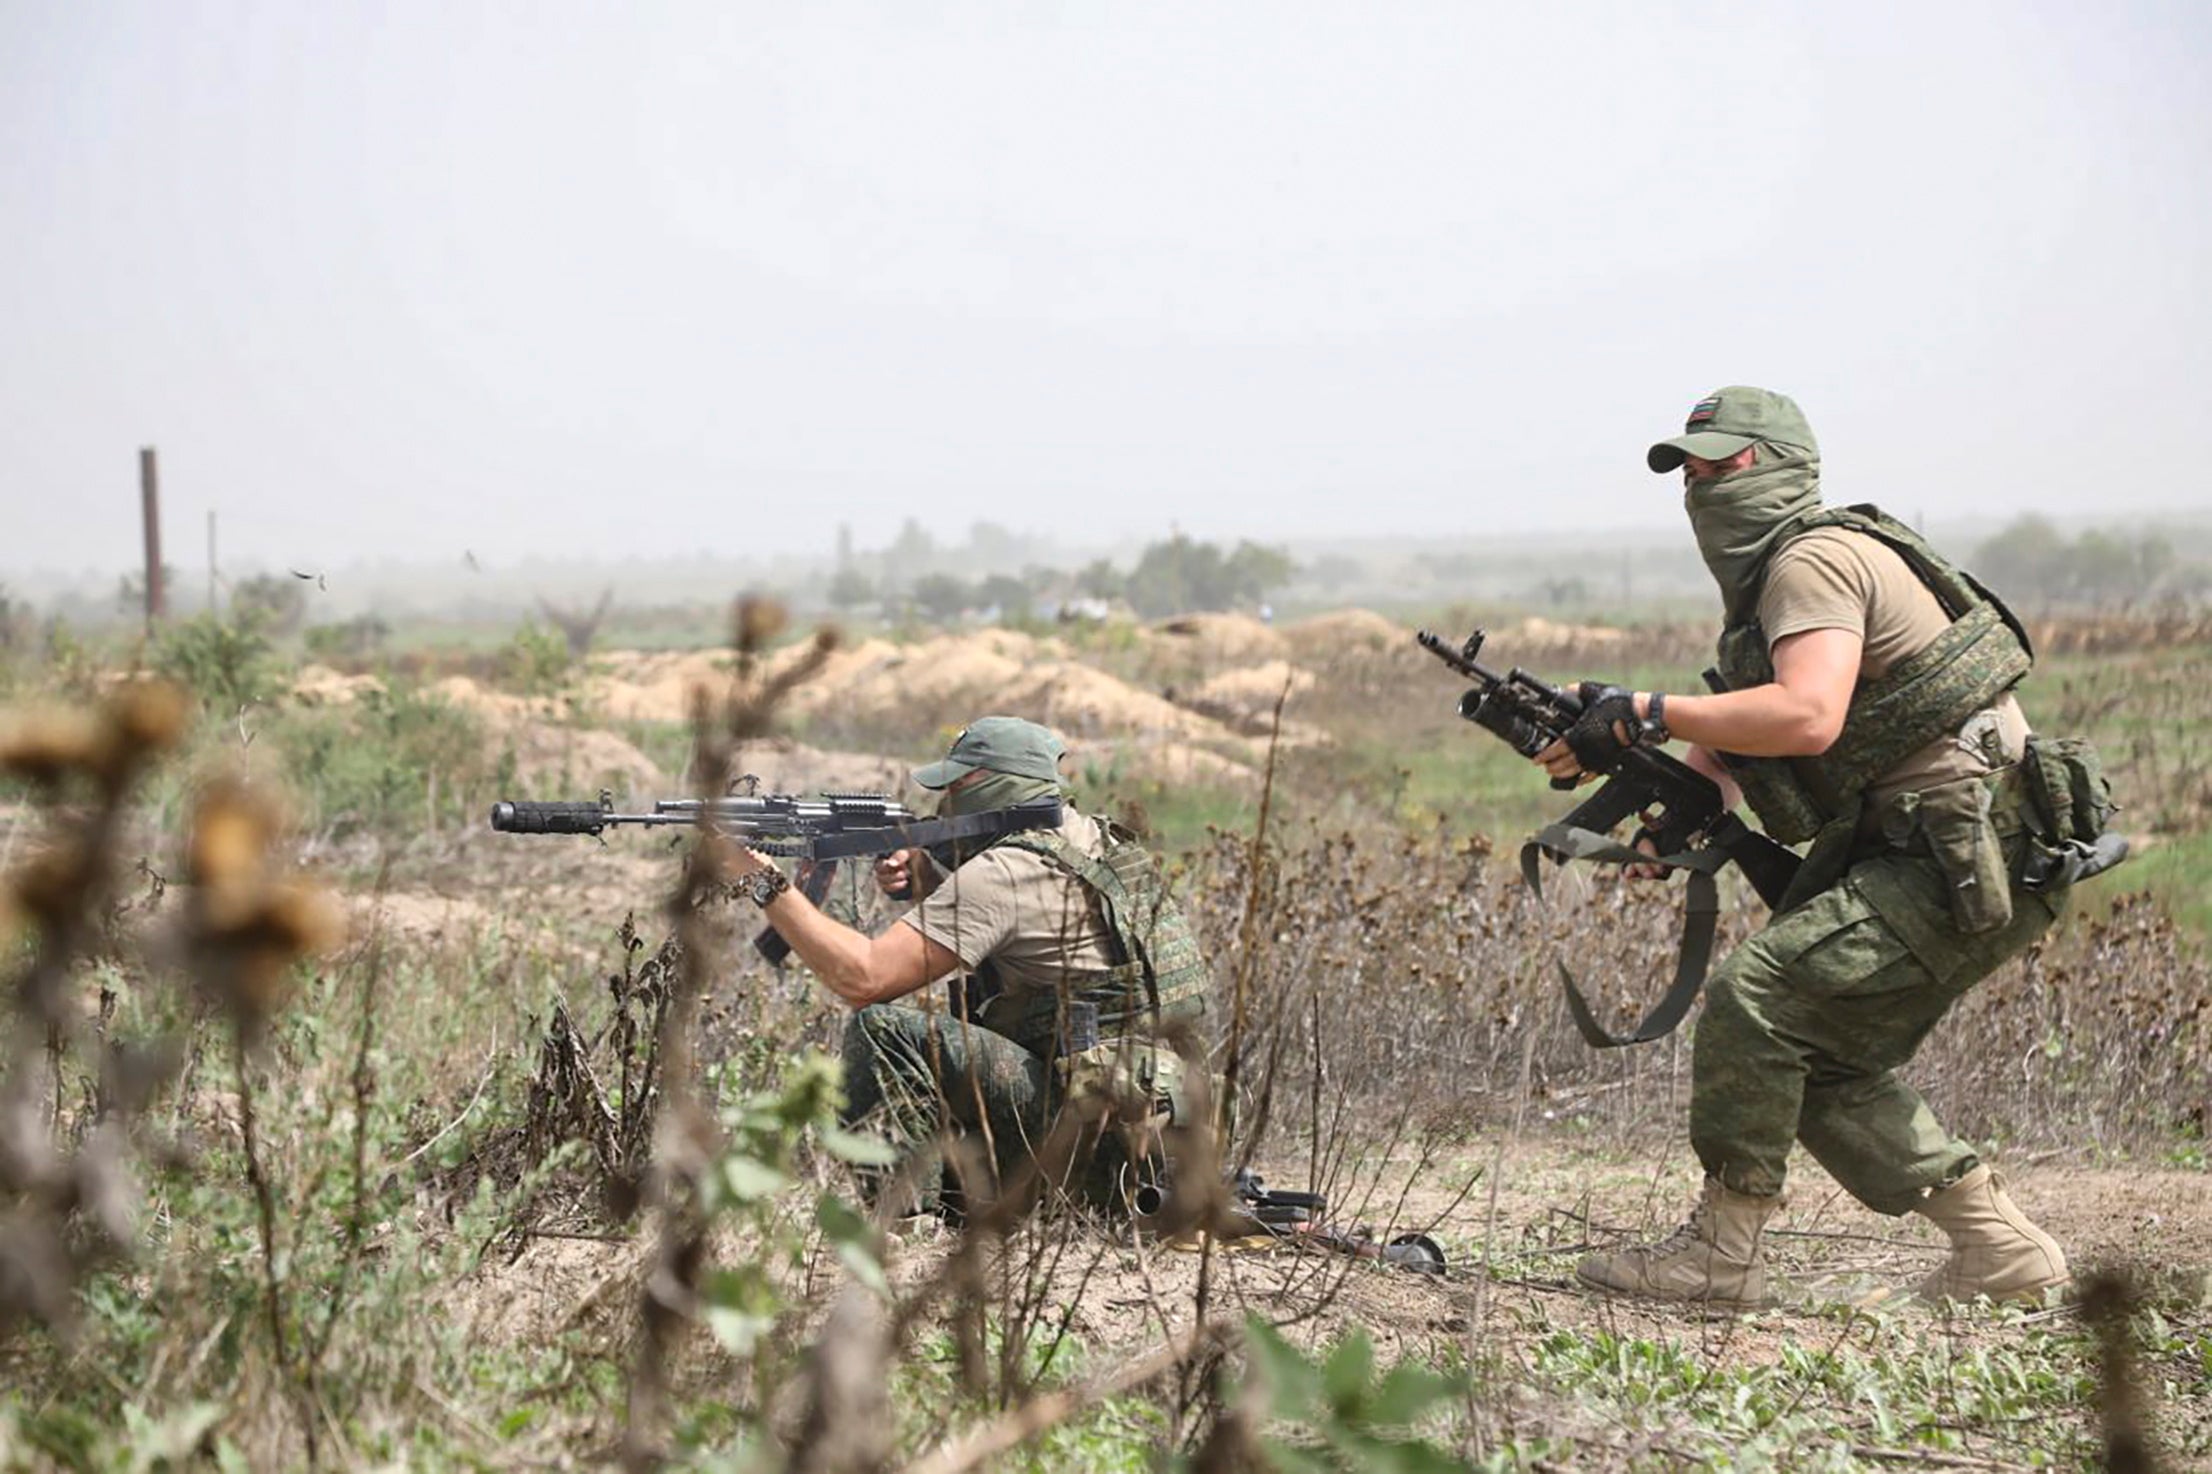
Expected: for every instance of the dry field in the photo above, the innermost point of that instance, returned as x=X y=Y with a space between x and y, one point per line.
x=373 y=1139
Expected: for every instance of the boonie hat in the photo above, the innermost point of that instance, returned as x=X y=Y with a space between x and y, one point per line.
x=1000 y=744
x=1727 y=420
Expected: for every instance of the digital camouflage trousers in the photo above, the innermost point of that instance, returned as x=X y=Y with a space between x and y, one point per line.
x=912 y=1077
x=1806 y=1024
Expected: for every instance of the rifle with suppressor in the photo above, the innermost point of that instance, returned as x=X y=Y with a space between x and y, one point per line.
x=1680 y=808
x=818 y=832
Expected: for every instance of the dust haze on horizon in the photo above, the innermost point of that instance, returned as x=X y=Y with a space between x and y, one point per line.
x=574 y=281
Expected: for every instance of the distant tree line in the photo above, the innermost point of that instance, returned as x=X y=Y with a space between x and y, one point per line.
x=1178 y=575
x=2032 y=562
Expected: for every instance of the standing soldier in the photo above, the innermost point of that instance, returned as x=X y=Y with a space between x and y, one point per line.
x=1075 y=976
x=1868 y=708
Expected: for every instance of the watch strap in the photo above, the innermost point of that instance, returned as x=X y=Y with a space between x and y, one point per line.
x=765 y=885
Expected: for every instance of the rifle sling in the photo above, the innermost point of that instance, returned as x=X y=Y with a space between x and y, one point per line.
x=1701 y=917
x=922 y=833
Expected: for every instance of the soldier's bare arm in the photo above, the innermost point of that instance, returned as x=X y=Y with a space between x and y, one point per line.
x=1797 y=714
x=858 y=968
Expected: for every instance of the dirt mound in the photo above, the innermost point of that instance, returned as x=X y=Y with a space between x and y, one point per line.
x=1082 y=702
x=319 y=685
x=630 y=686
x=416 y=917
x=1209 y=733
x=657 y=686
x=1220 y=639
x=580 y=759
x=1245 y=698
x=881 y=678
x=784 y=766
x=1539 y=634
x=498 y=707
x=1345 y=629
x=1171 y=763
x=1003 y=670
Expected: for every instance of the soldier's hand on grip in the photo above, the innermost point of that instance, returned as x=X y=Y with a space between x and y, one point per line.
x=1607 y=727
x=895 y=874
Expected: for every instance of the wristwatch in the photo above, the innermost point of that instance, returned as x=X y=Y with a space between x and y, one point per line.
x=763 y=886
x=1655 y=720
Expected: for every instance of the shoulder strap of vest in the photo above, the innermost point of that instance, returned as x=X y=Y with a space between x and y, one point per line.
x=1052 y=845
x=1103 y=875
x=1955 y=589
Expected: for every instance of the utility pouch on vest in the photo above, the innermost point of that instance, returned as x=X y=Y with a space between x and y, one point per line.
x=2071 y=799
x=1961 y=836
x=2066 y=780
x=1134 y=1092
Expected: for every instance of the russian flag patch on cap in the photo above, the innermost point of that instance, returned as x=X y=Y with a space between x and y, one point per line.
x=1702 y=411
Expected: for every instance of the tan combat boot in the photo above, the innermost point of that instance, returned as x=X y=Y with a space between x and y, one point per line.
x=1715 y=1258
x=1995 y=1250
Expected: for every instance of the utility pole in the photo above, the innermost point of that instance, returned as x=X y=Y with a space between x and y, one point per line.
x=149 y=501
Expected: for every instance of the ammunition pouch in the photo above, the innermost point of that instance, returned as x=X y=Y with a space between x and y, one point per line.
x=2070 y=798
x=1132 y=1090
x=1963 y=825
x=2041 y=824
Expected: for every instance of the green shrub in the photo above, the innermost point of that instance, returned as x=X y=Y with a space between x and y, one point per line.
x=227 y=664
x=352 y=639
x=386 y=761
x=537 y=661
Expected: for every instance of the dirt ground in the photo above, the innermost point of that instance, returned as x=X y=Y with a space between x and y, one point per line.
x=1510 y=1291
x=1552 y=1201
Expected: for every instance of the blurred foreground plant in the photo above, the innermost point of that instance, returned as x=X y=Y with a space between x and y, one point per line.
x=71 y=1180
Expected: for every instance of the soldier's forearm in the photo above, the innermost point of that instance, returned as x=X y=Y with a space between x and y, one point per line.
x=833 y=951
x=1759 y=721
x=858 y=968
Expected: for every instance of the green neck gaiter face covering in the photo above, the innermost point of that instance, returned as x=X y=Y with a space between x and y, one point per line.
x=992 y=791
x=1739 y=519
x=995 y=791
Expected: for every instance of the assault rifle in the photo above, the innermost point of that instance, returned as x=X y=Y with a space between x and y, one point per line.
x=1680 y=808
x=818 y=832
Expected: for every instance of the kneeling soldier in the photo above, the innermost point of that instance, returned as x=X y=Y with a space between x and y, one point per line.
x=1072 y=977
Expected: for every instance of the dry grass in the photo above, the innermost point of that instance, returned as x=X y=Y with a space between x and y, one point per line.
x=465 y=1200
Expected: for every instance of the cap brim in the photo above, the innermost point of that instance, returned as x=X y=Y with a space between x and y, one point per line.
x=1706 y=445
x=941 y=774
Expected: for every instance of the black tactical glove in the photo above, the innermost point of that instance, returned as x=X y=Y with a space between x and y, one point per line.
x=1609 y=727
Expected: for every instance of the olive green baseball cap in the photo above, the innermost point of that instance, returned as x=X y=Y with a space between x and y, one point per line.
x=1001 y=745
x=1727 y=420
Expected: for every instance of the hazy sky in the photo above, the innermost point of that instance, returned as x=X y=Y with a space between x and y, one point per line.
x=406 y=279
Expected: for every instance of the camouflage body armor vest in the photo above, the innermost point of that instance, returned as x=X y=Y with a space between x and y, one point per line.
x=1158 y=990
x=1927 y=695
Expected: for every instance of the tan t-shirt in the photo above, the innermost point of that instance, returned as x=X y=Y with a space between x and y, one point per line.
x=1037 y=924
x=1836 y=578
